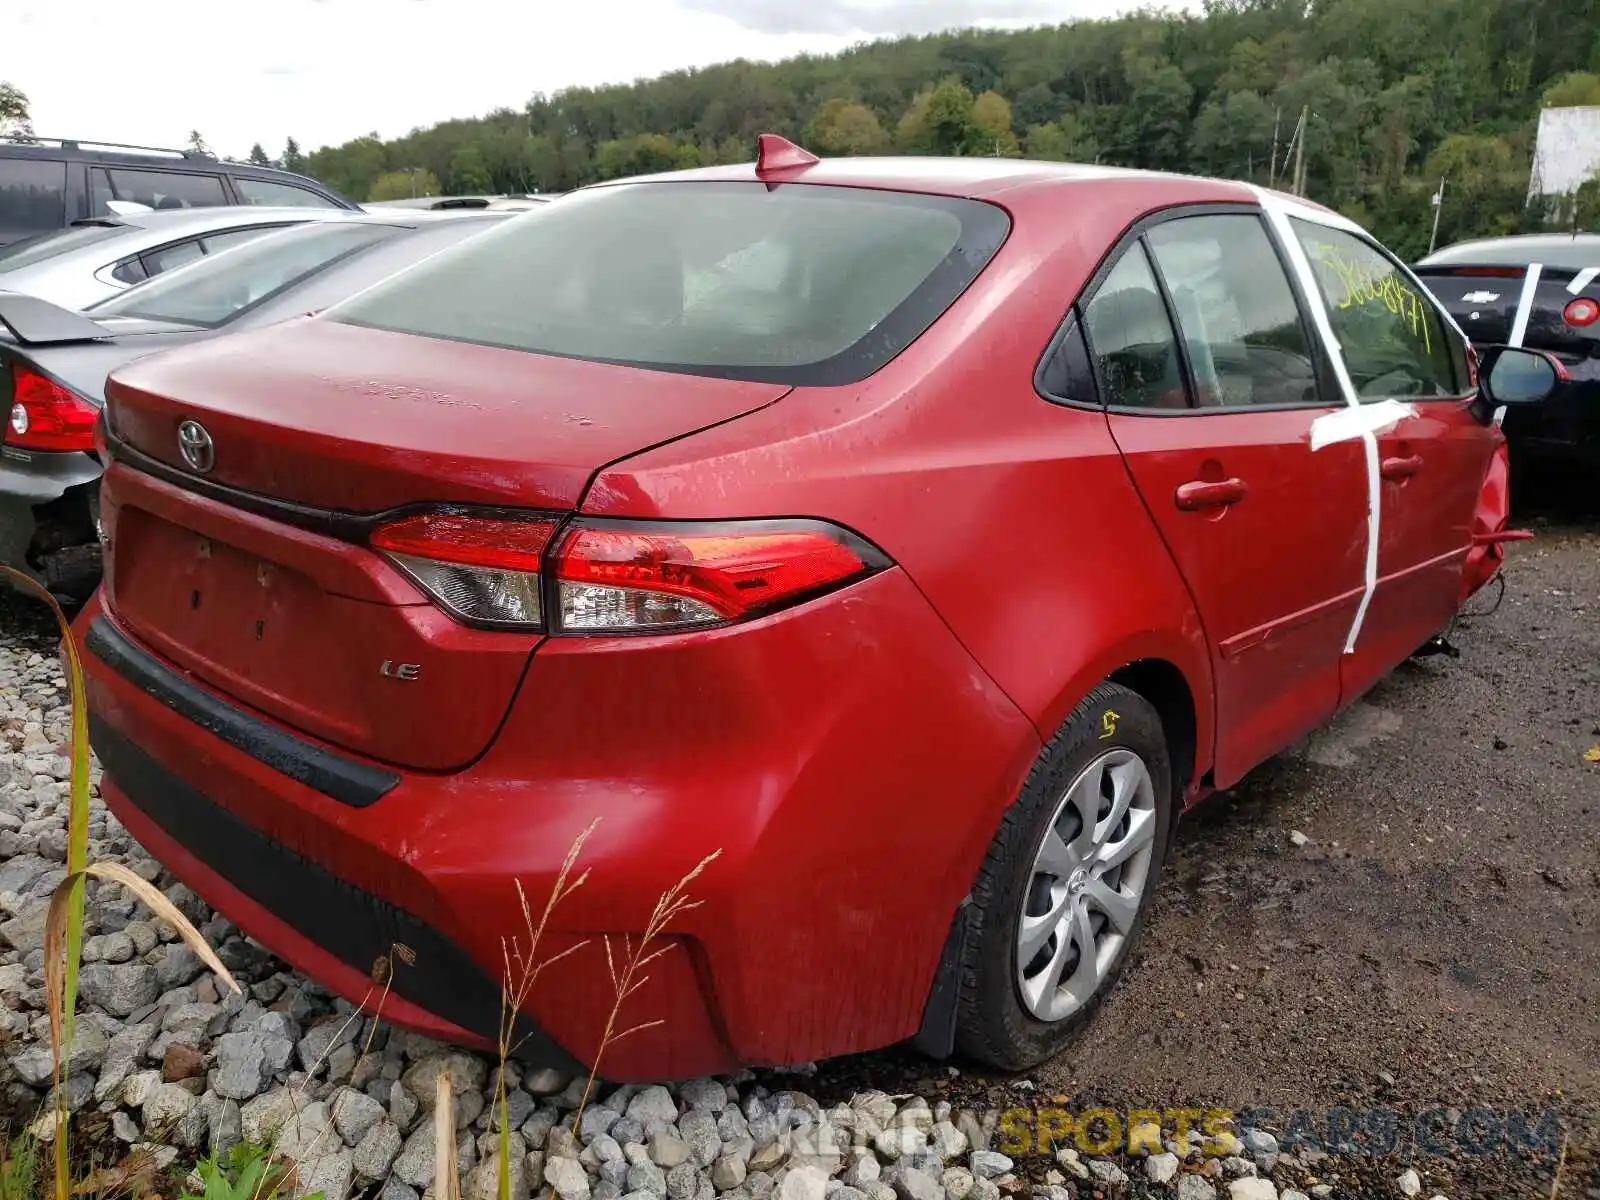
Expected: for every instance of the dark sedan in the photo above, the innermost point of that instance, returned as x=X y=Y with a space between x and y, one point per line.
x=1543 y=292
x=54 y=362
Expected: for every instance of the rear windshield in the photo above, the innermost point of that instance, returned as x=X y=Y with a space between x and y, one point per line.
x=218 y=288
x=43 y=246
x=796 y=284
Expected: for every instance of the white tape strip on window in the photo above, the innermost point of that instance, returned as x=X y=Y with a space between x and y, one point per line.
x=1357 y=420
x=1582 y=279
x=1530 y=285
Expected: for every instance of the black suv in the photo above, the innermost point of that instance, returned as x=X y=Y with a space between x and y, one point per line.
x=48 y=184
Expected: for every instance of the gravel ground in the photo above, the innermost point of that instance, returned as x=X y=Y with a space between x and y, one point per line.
x=1402 y=914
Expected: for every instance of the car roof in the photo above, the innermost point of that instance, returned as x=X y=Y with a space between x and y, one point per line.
x=1563 y=249
x=148 y=157
x=178 y=221
x=976 y=177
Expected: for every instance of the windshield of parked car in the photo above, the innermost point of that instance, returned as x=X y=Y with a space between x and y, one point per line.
x=43 y=246
x=219 y=288
x=796 y=284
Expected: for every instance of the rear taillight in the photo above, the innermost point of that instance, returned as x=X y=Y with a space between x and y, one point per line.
x=615 y=577
x=47 y=416
x=1581 y=313
x=481 y=567
x=618 y=577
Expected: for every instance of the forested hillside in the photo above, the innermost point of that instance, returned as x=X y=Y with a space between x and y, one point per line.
x=1400 y=93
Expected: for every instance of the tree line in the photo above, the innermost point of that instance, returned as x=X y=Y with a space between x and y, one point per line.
x=1364 y=105
x=1396 y=96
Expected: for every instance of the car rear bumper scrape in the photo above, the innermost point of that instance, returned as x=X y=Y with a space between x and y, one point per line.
x=364 y=933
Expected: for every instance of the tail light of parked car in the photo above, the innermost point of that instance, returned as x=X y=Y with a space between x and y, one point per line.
x=1582 y=312
x=45 y=415
x=504 y=570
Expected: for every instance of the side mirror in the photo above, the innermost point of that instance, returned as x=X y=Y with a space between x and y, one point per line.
x=1513 y=375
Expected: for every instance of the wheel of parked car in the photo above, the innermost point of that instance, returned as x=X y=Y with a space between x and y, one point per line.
x=1062 y=895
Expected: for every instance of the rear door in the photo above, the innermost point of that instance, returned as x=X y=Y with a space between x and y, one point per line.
x=1214 y=426
x=1431 y=460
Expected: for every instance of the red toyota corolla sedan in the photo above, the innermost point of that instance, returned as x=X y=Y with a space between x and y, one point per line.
x=924 y=535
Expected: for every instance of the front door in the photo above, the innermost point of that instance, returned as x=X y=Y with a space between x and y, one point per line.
x=1431 y=457
x=1211 y=382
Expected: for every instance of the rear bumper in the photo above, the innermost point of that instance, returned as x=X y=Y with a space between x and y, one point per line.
x=846 y=759
x=33 y=487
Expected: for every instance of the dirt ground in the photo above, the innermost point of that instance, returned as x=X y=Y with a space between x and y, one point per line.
x=1436 y=941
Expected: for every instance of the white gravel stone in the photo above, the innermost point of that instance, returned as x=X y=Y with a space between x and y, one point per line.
x=989 y=1164
x=1252 y=1188
x=567 y=1179
x=1106 y=1171
x=1161 y=1168
x=811 y=1183
x=1409 y=1182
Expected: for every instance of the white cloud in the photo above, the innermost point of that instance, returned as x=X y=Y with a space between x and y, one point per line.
x=324 y=71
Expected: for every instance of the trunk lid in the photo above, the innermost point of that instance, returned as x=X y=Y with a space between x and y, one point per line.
x=1483 y=299
x=363 y=420
x=83 y=366
x=310 y=630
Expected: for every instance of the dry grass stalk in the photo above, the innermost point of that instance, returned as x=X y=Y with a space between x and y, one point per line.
x=446 y=1182
x=522 y=969
x=629 y=977
x=63 y=1001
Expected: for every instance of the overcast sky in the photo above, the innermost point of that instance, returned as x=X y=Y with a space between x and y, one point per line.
x=324 y=71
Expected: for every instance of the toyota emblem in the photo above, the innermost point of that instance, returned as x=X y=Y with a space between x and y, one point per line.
x=196 y=446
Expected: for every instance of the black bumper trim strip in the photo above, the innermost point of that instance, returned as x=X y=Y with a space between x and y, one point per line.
x=356 y=784
x=354 y=926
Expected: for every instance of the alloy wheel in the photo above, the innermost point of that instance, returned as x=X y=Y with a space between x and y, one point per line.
x=1087 y=885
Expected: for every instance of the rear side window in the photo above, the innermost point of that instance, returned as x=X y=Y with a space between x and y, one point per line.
x=274 y=194
x=33 y=195
x=1131 y=338
x=44 y=246
x=157 y=190
x=171 y=257
x=792 y=284
x=215 y=292
x=1393 y=341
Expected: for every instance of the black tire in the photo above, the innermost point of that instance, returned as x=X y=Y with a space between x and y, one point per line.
x=992 y=1024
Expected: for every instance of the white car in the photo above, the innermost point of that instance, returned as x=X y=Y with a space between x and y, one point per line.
x=101 y=257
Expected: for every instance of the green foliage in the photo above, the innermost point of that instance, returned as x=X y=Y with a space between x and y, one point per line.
x=20 y=1177
x=293 y=159
x=1068 y=140
x=845 y=127
x=258 y=156
x=15 y=118
x=1574 y=90
x=246 y=1172
x=469 y=172
x=1384 y=84
x=401 y=185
